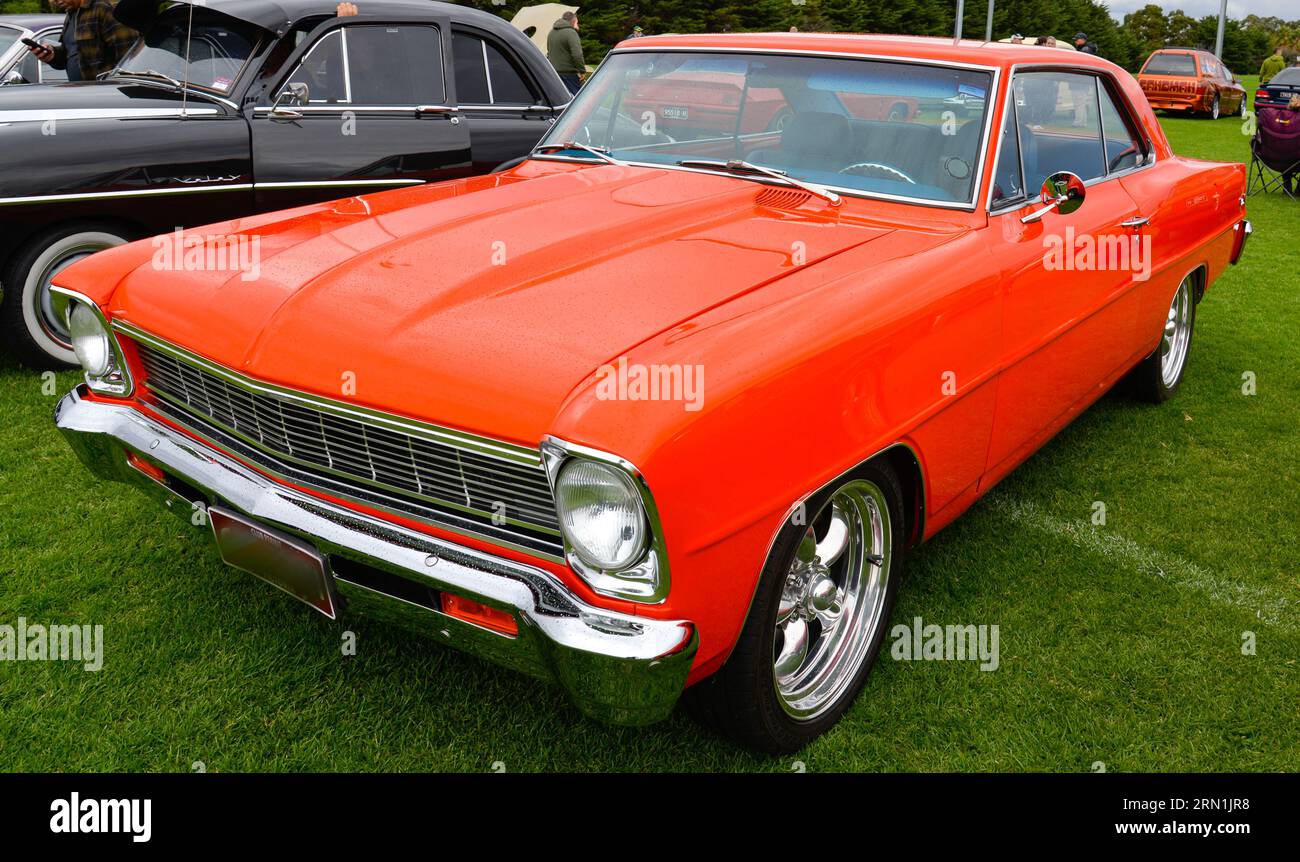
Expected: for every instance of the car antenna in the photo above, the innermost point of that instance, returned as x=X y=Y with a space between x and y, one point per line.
x=185 y=84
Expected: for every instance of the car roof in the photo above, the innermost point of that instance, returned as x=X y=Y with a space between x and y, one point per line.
x=1002 y=55
x=31 y=22
x=278 y=15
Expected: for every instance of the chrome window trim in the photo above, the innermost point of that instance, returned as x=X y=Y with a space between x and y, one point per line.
x=1150 y=160
x=965 y=206
x=653 y=563
x=342 y=32
x=347 y=66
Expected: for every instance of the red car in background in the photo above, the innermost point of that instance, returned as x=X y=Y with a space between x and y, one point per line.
x=1192 y=80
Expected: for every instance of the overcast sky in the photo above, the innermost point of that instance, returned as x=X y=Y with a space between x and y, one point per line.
x=1286 y=9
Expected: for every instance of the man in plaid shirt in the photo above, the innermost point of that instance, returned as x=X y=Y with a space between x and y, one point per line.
x=93 y=40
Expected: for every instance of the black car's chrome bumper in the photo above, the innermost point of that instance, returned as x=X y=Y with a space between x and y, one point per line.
x=617 y=667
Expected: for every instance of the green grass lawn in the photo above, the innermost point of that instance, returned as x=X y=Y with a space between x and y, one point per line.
x=1120 y=644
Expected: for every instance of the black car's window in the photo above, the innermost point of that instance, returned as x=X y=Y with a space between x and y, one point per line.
x=8 y=36
x=486 y=76
x=1171 y=64
x=209 y=57
x=1060 y=129
x=471 y=71
x=1123 y=149
x=374 y=65
x=1287 y=76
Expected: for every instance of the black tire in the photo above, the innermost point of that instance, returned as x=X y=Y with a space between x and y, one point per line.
x=25 y=321
x=740 y=700
x=1149 y=380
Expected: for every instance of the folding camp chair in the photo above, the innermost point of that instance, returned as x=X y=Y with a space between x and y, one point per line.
x=1275 y=153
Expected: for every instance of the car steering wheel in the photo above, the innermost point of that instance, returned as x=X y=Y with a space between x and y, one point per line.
x=1114 y=163
x=857 y=169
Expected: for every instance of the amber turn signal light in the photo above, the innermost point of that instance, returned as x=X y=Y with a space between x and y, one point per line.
x=479 y=614
x=152 y=471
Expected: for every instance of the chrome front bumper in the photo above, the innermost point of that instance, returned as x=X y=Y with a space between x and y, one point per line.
x=617 y=667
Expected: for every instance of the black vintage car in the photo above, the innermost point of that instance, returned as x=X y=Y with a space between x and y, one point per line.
x=234 y=107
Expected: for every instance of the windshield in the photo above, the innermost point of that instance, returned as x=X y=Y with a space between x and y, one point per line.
x=1287 y=76
x=217 y=49
x=858 y=126
x=1170 y=64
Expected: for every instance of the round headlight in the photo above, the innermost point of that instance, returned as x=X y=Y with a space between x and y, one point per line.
x=601 y=514
x=90 y=340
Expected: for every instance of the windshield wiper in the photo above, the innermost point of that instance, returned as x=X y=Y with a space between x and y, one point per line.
x=737 y=166
x=150 y=73
x=599 y=152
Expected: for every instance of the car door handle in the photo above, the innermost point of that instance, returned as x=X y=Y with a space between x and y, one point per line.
x=285 y=114
x=1136 y=221
x=430 y=110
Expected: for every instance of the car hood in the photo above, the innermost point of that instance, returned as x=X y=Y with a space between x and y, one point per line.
x=91 y=99
x=481 y=303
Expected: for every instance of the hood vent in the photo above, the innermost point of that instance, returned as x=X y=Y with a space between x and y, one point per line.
x=782 y=199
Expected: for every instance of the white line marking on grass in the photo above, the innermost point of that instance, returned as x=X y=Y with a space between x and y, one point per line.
x=1264 y=603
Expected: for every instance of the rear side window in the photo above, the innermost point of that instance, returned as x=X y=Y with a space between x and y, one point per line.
x=1171 y=64
x=486 y=76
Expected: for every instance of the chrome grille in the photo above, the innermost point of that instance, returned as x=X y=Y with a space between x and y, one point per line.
x=489 y=488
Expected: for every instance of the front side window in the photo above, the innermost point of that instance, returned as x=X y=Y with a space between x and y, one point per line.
x=209 y=57
x=873 y=127
x=373 y=65
x=1180 y=65
x=1060 y=127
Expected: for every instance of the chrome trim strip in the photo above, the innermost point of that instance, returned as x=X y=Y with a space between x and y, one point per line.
x=36 y=116
x=652 y=568
x=307 y=184
x=86 y=196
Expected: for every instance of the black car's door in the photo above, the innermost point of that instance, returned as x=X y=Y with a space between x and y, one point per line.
x=505 y=108
x=376 y=114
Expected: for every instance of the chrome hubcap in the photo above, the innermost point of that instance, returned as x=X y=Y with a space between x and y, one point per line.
x=1177 y=335
x=833 y=600
x=51 y=308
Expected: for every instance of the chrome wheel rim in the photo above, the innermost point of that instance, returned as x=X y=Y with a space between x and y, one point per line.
x=51 y=309
x=1214 y=108
x=1177 y=335
x=833 y=600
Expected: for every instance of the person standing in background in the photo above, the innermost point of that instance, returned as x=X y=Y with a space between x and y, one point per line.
x=93 y=40
x=1083 y=45
x=564 y=50
x=636 y=33
x=1273 y=64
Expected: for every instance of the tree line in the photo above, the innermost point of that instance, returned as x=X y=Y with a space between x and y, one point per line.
x=606 y=22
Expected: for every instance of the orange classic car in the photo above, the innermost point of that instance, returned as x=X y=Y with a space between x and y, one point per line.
x=646 y=414
x=1191 y=80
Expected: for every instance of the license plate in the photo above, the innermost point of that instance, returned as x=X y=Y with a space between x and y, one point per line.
x=280 y=560
x=674 y=113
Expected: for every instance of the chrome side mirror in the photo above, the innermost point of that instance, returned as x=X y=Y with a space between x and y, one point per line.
x=295 y=95
x=1063 y=192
